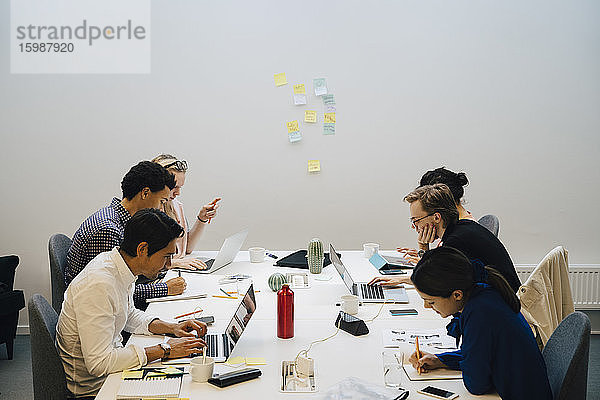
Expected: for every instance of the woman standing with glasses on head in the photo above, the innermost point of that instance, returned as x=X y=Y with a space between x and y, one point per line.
x=174 y=209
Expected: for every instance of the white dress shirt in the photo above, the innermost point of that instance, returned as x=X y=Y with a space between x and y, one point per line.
x=98 y=305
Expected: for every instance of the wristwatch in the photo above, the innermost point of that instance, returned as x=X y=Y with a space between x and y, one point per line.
x=167 y=349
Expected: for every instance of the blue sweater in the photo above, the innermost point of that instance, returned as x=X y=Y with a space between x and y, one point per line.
x=498 y=350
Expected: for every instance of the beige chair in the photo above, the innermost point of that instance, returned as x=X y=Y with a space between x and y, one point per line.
x=546 y=297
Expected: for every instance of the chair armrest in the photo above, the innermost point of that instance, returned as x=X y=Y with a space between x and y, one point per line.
x=11 y=302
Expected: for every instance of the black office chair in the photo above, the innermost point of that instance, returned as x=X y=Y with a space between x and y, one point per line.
x=566 y=354
x=49 y=381
x=58 y=246
x=11 y=302
x=491 y=222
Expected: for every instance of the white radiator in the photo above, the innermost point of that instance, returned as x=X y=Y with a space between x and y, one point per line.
x=585 y=284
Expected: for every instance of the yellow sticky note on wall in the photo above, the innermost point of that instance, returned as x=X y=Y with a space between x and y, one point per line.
x=292 y=126
x=299 y=89
x=280 y=79
x=314 y=166
x=310 y=116
x=330 y=117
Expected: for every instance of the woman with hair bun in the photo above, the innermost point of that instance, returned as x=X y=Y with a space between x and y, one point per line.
x=455 y=181
x=498 y=351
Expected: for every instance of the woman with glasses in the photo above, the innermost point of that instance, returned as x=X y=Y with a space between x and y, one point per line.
x=174 y=209
x=498 y=351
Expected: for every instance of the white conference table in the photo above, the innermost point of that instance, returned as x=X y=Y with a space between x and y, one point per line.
x=315 y=311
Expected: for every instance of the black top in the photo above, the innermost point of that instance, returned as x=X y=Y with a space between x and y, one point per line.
x=479 y=244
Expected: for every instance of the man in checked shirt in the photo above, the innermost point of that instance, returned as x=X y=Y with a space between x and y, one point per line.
x=146 y=185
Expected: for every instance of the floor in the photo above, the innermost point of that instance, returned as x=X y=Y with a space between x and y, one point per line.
x=16 y=383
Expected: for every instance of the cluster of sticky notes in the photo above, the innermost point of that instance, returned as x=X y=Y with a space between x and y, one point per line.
x=293 y=131
x=310 y=116
x=246 y=360
x=314 y=166
x=132 y=374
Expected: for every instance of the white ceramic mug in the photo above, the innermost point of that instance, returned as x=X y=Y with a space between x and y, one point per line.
x=370 y=249
x=200 y=371
x=257 y=254
x=350 y=304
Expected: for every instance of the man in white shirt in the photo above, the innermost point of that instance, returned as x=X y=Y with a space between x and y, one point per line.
x=98 y=305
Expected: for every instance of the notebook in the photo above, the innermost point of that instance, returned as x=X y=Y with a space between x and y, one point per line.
x=149 y=388
x=440 y=373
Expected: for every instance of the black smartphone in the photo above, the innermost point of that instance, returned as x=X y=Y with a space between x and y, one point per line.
x=407 y=311
x=209 y=320
x=438 y=393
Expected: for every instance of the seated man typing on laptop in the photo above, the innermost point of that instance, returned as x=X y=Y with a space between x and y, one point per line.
x=98 y=305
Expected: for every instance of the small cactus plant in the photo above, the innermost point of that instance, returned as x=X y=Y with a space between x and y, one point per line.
x=276 y=281
x=315 y=256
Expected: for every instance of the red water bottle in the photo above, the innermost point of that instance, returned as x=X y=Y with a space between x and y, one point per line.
x=285 y=313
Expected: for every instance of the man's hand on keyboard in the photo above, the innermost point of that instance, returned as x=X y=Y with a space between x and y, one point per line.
x=185 y=346
x=187 y=328
x=390 y=281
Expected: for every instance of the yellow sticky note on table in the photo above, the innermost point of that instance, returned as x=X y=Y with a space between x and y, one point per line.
x=330 y=117
x=154 y=374
x=314 y=165
x=256 y=361
x=235 y=360
x=280 y=79
x=132 y=374
x=292 y=126
x=299 y=89
x=310 y=116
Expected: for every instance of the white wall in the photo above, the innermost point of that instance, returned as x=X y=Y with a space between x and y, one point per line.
x=507 y=91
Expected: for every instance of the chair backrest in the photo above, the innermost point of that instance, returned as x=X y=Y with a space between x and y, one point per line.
x=566 y=355
x=8 y=265
x=491 y=222
x=49 y=380
x=58 y=246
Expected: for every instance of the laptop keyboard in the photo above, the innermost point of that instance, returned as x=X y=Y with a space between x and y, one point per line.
x=213 y=346
x=371 y=291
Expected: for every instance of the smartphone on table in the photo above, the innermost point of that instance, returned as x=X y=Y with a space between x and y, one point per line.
x=438 y=393
x=406 y=311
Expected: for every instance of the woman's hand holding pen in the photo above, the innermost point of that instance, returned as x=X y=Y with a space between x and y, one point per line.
x=426 y=362
x=209 y=210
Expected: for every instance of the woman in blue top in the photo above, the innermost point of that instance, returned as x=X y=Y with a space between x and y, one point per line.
x=498 y=350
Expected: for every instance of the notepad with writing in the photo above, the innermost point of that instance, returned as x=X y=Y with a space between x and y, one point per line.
x=440 y=373
x=150 y=388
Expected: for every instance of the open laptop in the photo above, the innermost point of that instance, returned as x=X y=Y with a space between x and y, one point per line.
x=367 y=293
x=231 y=246
x=221 y=344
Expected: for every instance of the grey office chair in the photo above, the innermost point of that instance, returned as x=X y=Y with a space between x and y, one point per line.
x=49 y=380
x=491 y=222
x=58 y=246
x=566 y=355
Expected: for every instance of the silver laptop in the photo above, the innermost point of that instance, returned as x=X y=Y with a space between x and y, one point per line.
x=221 y=344
x=231 y=246
x=367 y=293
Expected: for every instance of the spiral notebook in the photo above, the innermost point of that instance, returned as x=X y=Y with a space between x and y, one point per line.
x=149 y=388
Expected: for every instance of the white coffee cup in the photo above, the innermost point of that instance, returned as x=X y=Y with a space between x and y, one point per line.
x=370 y=249
x=257 y=254
x=201 y=371
x=350 y=304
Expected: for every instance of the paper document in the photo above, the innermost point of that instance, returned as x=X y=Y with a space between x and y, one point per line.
x=328 y=100
x=434 y=339
x=440 y=373
x=177 y=297
x=294 y=136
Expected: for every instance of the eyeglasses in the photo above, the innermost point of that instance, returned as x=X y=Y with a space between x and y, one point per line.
x=179 y=165
x=414 y=221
